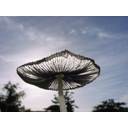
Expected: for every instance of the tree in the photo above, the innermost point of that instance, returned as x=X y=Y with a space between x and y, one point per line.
x=110 y=106
x=52 y=108
x=68 y=101
x=11 y=101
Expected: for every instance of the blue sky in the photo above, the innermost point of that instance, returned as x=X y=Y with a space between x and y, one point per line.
x=104 y=39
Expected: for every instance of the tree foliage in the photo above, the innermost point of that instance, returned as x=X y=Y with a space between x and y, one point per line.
x=52 y=108
x=11 y=101
x=68 y=101
x=110 y=106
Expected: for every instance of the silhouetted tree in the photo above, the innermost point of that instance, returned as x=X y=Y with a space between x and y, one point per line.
x=68 y=101
x=52 y=108
x=110 y=106
x=11 y=101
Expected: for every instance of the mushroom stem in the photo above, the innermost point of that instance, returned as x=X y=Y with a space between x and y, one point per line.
x=60 y=91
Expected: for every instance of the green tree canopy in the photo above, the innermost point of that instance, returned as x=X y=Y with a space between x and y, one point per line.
x=11 y=101
x=110 y=106
x=68 y=101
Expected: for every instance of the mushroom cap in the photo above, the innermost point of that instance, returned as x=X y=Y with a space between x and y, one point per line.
x=77 y=70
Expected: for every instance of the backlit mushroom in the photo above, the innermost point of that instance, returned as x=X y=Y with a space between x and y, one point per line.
x=60 y=71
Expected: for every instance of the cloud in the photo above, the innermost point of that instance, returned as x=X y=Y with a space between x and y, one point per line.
x=96 y=32
x=7 y=58
x=73 y=32
x=104 y=35
x=84 y=32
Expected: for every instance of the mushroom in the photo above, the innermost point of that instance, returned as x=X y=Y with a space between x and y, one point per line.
x=60 y=71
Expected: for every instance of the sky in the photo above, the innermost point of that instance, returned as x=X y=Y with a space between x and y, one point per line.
x=104 y=39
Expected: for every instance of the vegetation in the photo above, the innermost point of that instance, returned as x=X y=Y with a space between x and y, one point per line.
x=11 y=101
x=68 y=101
x=110 y=106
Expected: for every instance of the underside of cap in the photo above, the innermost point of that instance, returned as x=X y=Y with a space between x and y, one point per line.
x=77 y=70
